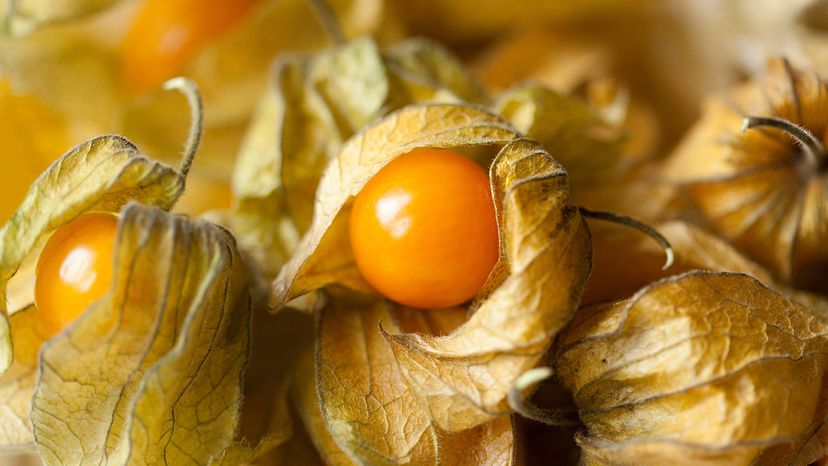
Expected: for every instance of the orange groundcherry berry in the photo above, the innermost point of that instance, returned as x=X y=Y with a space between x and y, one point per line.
x=74 y=269
x=423 y=230
x=166 y=33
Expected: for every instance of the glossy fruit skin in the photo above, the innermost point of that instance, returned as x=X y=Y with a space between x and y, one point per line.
x=423 y=230
x=74 y=269
x=165 y=34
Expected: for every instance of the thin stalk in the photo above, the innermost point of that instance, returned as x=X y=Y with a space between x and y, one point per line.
x=633 y=223
x=190 y=90
x=327 y=18
x=812 y=147
x=518 y=402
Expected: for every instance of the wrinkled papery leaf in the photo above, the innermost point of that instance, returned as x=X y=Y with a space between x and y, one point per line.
x=102 y=174
x=17 y=384
x=306 y=398
x=756 y=187
x=153 y=372
x=604 y=169
x=23 y=16
x=367 y=408
x=699 y=368
x=314 y=104
x=462 y=378
x=586 y=145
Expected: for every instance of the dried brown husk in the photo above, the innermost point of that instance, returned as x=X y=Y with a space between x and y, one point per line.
x=604 y=174
x=100 y=175
x=462 y=378
x=698 y=368
x=152 y=372
x=588 y=146
x=313 y=105
x=367 y=407
x=756 y=188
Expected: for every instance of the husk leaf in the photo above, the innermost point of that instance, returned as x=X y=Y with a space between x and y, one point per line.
x=699 y=368
x=464 y=377
x=153 y=372
x=313 y=105
x=102 y=174
x=756 y=188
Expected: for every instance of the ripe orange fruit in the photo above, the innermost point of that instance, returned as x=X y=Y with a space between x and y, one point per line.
x=424 y=231
x=166 y=34
x=74 y=269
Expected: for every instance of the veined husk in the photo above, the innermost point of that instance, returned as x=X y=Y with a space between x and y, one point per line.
x=100 y=175
x=312 y=106
x=151 y=373
x=360 y=410
x=463 y=378
x=756 y=188
x=698 y=368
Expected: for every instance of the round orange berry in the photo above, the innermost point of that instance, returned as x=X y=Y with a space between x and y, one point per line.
x=74 y=269
x=423 y=230
x=165 y=34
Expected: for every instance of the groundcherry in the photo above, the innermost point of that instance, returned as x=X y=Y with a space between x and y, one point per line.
x=423 y=230
x=165 y=34
x=74 y=269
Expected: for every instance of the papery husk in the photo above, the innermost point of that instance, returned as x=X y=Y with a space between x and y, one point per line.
x=17 y=384
x=313 y=105
x=100 y=175
x=464 y=377
x=367 y=407
x=755 y=187
x=580 y=139
x=151 y=373
x=698 y=368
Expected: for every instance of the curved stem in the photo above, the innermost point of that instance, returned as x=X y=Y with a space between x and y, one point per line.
x=633 y=223
x=813 y=147
x=187 y=87
x=518 y=402
x=328 y=19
